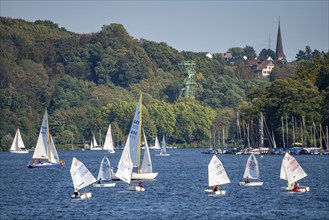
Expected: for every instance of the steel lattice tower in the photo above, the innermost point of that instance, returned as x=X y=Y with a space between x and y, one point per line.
x=188 y=89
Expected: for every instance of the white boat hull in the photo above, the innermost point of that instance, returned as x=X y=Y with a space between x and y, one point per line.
x=139 y=176
x=136 y=188
x=302 y=189
x=163 y=155
x=19 y=151
x=104 y=184
x=211 y=192
x=251 y=184
x=82 y=196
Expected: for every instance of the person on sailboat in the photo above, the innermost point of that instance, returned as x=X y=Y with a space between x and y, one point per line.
x=140 y=184
x=99 y=181
x=76 y=193
x=296 y=187
x=216 y=188
x=247 y=180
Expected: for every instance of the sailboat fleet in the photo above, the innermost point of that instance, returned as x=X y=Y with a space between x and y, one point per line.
x=131 y=168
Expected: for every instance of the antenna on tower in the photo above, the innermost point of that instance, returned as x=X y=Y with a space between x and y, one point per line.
x=269 y=41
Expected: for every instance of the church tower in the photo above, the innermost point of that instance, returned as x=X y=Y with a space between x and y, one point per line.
x=279 y=48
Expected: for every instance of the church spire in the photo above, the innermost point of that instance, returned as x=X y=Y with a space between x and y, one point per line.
x=279 y=48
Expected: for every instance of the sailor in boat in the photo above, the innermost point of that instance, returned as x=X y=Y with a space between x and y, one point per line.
x=140 y=184
x=100 y=181
x=296 y=187
x=216 y=188
x=76 y=193
x=247 y=180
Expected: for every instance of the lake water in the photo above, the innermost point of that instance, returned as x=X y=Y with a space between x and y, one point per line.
x=177 y=192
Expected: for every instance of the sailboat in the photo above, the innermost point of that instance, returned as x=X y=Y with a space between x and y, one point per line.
x=18 y=146
x=108 y=144
x=133 y=143
x=94 y=145
x=104 y=174
x=156 y=144
x=292 y=172
x=216 y=176
x=81 y=178
x=45 y=153
x=163 y=151
x=251 y=172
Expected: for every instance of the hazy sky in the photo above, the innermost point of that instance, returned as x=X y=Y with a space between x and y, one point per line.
x=199 y=26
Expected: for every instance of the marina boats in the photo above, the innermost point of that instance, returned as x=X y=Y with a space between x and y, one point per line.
x=108 y=143
x=18 y=146
x=163 y=151
x=81 y=178
x=251 y=172
x=216 y=176
x=104 y=174
x=45 y=154
x=291 y=171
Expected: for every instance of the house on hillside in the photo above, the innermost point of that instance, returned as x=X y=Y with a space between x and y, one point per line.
x=262 y=67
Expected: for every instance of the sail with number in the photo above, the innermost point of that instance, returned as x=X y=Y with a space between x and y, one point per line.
x=291 y=170
x=104 y=172
x=251 y=171
x=81 y=176
x=216 y=173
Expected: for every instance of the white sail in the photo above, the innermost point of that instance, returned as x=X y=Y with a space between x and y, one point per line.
x=251 y=171
x=216 y=173
x=41 y=149
x=53 y=155
x=104 y=172
x=147 y=163
x=81 y=176
x=163 y=145
x=291 y=170
x=125 y=164
x=18 y=144
x=157 y=144
x=108 y=144
x=135 y=134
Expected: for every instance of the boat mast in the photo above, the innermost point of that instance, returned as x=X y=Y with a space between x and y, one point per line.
x=284 y=145
x=139 y=137
x=48 y=136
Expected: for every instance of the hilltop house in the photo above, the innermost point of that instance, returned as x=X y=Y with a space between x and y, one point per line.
x=262 y=68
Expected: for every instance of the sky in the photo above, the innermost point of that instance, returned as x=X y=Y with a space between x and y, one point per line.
x=190 y=25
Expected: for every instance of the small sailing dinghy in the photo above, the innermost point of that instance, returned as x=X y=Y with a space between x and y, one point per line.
x=45 y=154
x=125 y=168
x=163 y=151
x=251 y=172
x=18 y=146
x=216 y=176
x=108 y=144
x=157 y=144
x=81 y=178
x=104 y=174
x=292 y=172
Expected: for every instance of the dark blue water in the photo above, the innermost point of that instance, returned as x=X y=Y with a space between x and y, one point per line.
x=177 y=193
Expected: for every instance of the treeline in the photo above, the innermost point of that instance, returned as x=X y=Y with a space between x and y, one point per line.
x=90 y=80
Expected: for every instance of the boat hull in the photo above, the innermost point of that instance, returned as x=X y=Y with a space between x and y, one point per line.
x=19 y=151
x=104 y=184
x=82 y=196
x=301 y=189
x=217 y=193
x=251 y=184
x=138 y=176
x=163 y=155
x=45 y=166
x=136 y=188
